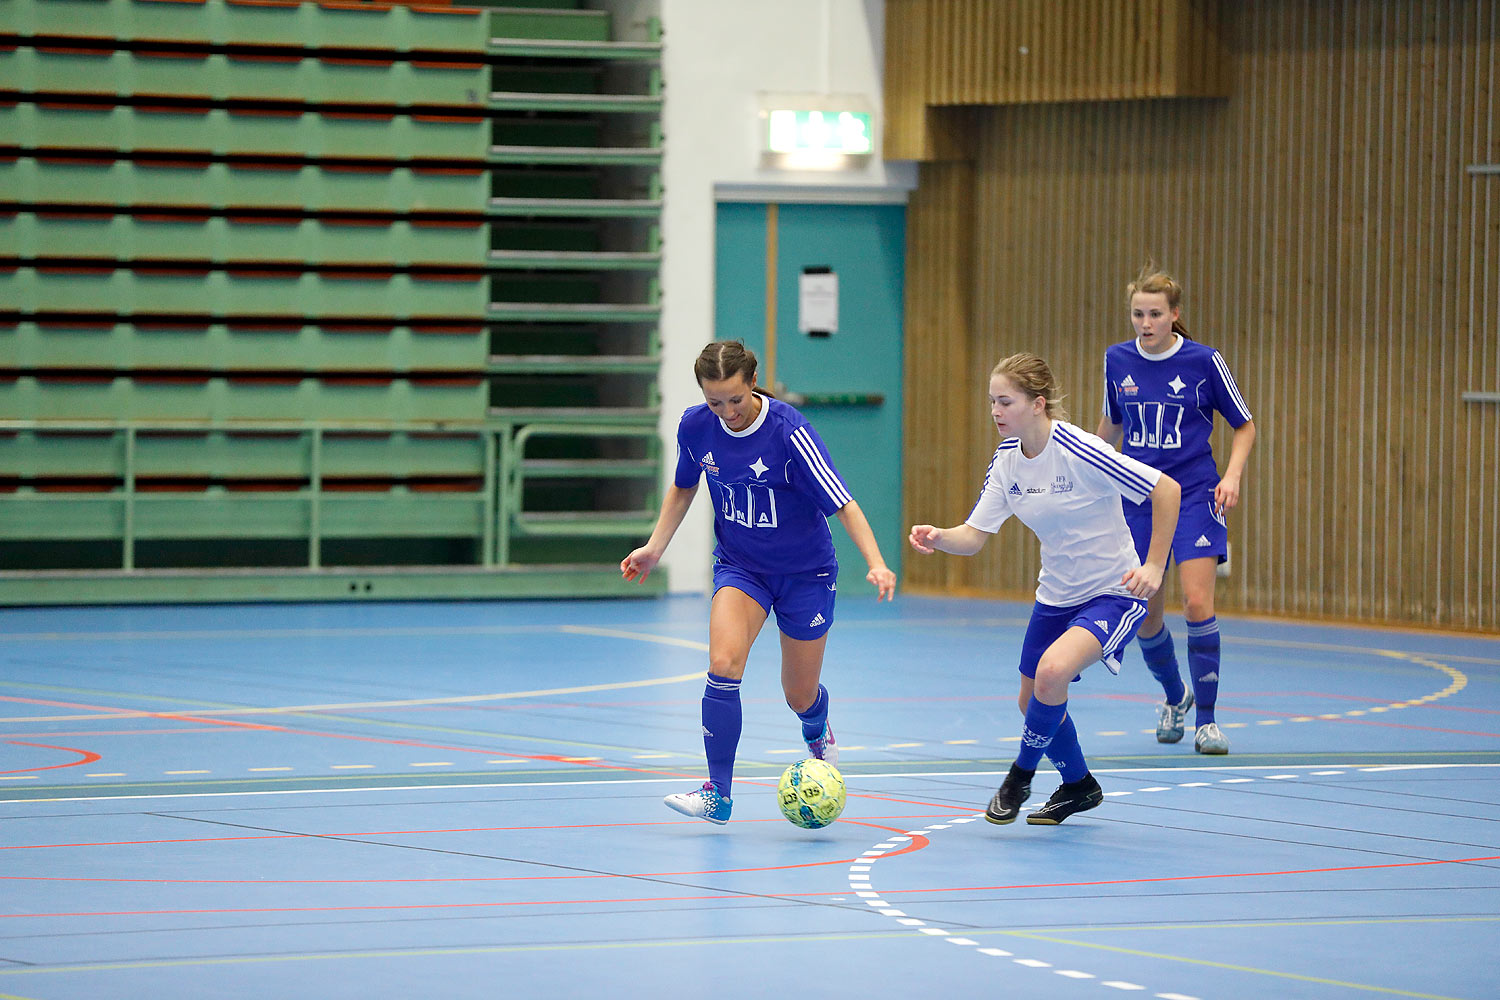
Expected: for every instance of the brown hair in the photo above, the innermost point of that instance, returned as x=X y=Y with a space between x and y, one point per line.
x=724 y=359
x=1152 y=279
x=1030 y=374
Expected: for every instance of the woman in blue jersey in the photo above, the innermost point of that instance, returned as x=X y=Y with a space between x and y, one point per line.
x=1161 y=392
x=1065 y=485
x=774 y=488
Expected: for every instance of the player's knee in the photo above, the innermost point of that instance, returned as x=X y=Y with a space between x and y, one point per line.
x=725 y=665
x=1197 y=607
x=1052 y=680
x=800 y=700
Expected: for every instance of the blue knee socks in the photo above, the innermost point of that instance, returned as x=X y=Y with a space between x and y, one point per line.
x=1065 y=753
x=722 y=720
x=1042 y=722
x=816 y=715
x=1161 y=659
x=1203 y=664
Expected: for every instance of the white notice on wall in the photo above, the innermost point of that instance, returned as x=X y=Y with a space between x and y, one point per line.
x=818 y=302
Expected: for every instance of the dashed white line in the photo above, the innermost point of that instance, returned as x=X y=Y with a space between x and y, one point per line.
x=859 y=879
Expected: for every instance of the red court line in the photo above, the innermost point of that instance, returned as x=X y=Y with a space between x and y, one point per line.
x=1190 y=878
x=918 y=842
x=416 y=832
x=385 y=741
x=715 y=896
x=88 y=757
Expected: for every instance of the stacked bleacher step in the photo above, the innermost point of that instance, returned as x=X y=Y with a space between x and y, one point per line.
x=575 y=167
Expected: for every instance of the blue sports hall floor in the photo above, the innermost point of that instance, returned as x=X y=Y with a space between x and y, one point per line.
x=464 y=800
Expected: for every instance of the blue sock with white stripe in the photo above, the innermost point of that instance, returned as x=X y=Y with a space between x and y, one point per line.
x=722 y=721
x=816 y=715
x=1160 y=654
x=1065 y=753
x=1203 y=664
x=1037 y=732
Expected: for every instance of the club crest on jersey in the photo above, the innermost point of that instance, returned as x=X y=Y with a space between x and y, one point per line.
x=1128 y=386
x=758 y=467
x=1062 y=484
x=1177 y=385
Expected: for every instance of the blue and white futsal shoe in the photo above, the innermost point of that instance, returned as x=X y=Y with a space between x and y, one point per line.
x=703 y=803
x=1210 y=739
x=824 y=748
x=1171 y=720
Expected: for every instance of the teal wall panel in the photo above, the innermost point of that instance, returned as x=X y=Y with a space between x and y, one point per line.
x=865 y=246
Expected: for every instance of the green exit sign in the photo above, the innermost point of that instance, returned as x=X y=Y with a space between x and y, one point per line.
x=846 y=132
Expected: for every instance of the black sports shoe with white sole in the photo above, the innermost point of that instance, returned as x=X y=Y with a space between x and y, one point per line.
x=1071 y=797
x=1012 y=794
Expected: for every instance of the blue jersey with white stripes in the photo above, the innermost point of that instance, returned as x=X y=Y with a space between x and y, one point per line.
x=1069 y=495
x=773 y=484
x=1167 y=401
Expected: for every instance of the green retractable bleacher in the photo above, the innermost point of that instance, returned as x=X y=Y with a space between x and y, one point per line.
x=286 y=312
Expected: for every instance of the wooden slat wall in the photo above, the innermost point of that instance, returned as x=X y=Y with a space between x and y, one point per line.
x=948 y=53
x=1333 y=246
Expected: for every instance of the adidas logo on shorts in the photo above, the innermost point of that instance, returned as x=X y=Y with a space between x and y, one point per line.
x=817 y=620
x=1102 y=624
x=1202 y=542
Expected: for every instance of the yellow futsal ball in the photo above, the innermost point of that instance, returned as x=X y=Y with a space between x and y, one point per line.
x=811 y=793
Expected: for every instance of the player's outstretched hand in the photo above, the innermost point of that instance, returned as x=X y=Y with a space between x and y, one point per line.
x=1143 y=581
x=924 y=538
x=884 y=581
x=639 y=564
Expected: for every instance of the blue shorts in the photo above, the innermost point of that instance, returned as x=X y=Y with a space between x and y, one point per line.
x=803 y=602
x=1111 y=618
x=1201 y=532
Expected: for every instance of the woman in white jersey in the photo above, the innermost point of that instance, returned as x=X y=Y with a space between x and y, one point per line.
x=1065 y=485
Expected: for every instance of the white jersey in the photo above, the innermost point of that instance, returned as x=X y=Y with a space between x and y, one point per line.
x=1069 y=495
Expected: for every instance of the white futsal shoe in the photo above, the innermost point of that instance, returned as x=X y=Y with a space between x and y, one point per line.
x=1210 y=739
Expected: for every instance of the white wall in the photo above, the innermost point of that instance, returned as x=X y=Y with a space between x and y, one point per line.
x=719 y=56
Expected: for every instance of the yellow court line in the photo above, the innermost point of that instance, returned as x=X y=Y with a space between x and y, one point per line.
x=499 y=949
x=1037 y=936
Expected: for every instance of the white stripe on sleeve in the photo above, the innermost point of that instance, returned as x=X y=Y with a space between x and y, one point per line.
x=1228 y=382
x=819 y=467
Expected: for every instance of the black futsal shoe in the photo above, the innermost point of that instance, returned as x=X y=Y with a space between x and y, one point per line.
x=1012 y=794
x=1071 y=797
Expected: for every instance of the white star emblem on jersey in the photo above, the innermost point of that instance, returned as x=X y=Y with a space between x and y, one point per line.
x=758 y=467
x=1177 y=383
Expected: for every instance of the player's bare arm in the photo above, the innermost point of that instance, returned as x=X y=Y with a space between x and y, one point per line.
x=959 y=540
x=1166 y=501
x=1227 y=493
x=674 y=507
x=1110 y=431
x=852 y=517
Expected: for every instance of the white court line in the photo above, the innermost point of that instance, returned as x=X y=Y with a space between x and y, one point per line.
x=459 y=786
x=664 y=640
